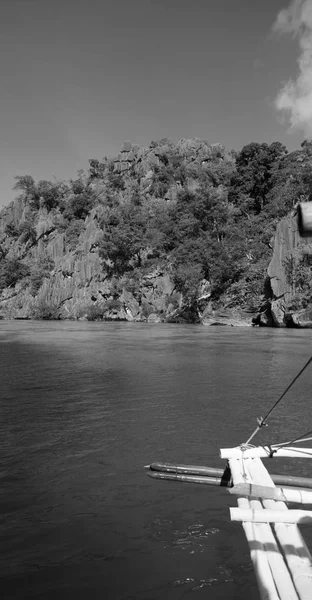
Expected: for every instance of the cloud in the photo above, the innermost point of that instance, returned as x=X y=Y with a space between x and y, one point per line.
x=295 y=97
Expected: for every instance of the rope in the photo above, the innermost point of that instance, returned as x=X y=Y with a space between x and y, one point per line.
x=262 y=420
x=296 y=440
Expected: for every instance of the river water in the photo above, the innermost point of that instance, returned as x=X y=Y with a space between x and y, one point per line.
x=84 y=406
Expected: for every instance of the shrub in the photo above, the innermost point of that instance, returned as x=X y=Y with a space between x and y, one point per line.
x=11 y=230
x=11 y=271
x=27 y=233
x=73 y=232
x=39 y=271
x=45 y=311
x=79 y=206
x=50 y=194
x=92 y=312
x=112 y=304
x=147 y=309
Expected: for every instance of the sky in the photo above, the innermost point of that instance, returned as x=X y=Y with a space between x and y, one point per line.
x=79 y=77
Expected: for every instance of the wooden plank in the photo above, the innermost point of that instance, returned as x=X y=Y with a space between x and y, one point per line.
x=272 y=574
x=266 y=583
x=271 y=516
x=239 y=470
x=281 y=480
x=260 y=491
x=258 y=473
x=266 y=452
x=295 y=552
x=279 y=568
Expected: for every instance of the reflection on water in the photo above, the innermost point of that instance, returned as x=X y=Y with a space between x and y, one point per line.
x=192 y=539
x=84 y=406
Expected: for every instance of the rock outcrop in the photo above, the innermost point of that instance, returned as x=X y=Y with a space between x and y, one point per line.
x=278 y=310
x=66 y=277
x=234 y=317
x=77 y=285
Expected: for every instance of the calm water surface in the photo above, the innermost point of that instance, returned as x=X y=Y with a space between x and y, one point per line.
x=84 y=406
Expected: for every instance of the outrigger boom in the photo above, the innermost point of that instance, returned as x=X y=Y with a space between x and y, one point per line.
x=281 y=559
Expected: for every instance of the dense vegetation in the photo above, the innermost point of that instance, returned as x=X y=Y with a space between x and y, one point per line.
x=197 y=211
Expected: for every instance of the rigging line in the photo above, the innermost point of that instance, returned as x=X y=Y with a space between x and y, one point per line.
x=296 y=440
x=285 y=392
x=262 y=420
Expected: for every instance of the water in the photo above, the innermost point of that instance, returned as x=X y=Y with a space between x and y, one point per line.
x=84 y=406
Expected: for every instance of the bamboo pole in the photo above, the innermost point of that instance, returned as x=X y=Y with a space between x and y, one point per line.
x=258 y=536
x=295 y=553
x=188 y=478
x=266 y=584
x=265 y=452
x=271 y=516
x=281 y=480
x=280 y=571
x=293 y=546
x=299 y=496
x=185 y=469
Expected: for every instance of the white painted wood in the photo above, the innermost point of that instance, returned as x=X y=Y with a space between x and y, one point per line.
x=266 y=584
x=296 y=556
x=265 y=452
x=239 y=470
x=296 y=553
x=264 y=551
x=281 y=574
x=298 y=495
x=271 y=516
x=259 y=474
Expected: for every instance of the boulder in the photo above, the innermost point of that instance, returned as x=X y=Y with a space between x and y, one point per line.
x=233 y=317
x=153 y=318
x=287 y=242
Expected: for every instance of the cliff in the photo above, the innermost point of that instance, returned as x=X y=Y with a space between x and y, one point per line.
x=287 y=304
x=77 y=287
x=169 y=233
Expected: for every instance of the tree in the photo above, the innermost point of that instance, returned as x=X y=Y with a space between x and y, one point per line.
x=27 y=185
x=124 y=237
x=50 y=193
x=79 y=205
x=11 y=230
x=73 y=231
x=253 y=177
x=96 y=169
x=27 y=233
x=40 y=270
x=12 y=271
x=291 y=182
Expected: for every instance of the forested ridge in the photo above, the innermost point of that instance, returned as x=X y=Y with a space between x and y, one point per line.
x=195 y=214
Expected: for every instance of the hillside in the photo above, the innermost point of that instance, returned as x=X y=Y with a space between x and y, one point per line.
x=172 y=233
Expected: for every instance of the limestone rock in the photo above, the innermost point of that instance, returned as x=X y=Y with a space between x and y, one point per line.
x=153 y=318
x=287 y=242
x=14 y=213
x=301 y=318
x=234 y=317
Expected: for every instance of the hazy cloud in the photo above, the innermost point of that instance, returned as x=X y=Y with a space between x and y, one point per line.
x=295 y=97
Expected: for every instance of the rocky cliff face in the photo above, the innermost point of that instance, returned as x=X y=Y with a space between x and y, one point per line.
x=279 y=308
x=78 y=286
x=68 y=279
